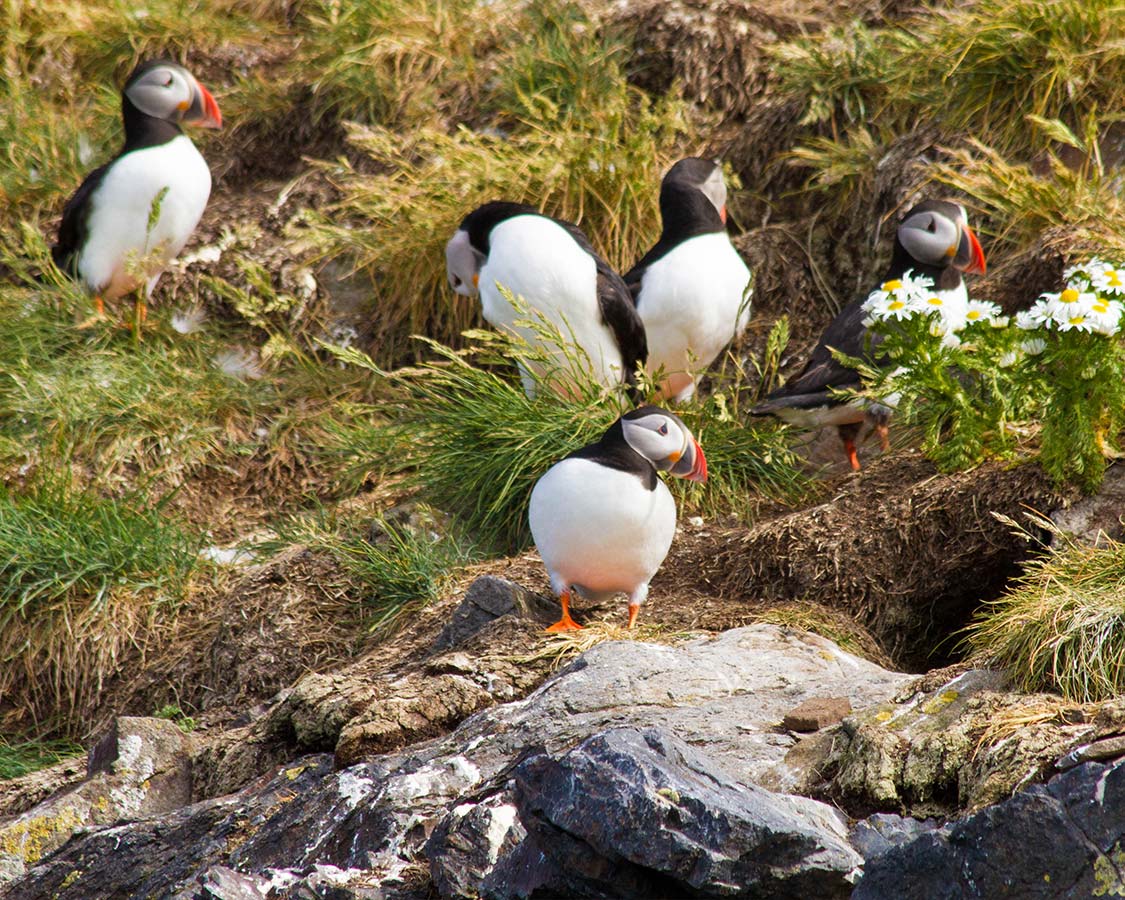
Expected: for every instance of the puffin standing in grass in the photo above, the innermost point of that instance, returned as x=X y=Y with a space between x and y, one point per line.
x=934 y=240
x=551 y=265
x=692 y=288
x=131 y=217
x=602 y=519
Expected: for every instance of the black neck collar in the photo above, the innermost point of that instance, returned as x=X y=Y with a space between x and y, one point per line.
x=143 y=130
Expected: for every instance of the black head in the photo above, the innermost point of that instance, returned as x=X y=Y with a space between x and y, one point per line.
x=935 y=235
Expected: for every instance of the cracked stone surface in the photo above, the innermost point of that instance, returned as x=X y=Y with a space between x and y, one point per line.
x=1062 y=839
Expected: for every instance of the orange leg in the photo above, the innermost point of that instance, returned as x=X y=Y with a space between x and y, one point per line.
x=98 y=315
x=566 y=623
x=634 y=609
x=847 y=435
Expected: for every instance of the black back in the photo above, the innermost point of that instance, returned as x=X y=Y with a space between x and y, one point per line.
x=613 y=451
x=847 y=333
x=614 y=300
x=141 y=130
x=685 y=212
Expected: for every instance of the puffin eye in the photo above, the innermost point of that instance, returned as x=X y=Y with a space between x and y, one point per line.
x=664 y=428
x=932 y=227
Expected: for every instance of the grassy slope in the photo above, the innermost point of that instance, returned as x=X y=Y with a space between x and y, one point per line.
x=413 y=113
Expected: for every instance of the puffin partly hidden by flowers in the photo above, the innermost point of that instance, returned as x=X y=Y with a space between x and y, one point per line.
x=602 y=519
x=131 y=217
x=933 y=241
x=692 y=288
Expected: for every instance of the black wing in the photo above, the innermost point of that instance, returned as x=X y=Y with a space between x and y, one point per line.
x=74 y=227
x=619 y=312
x=636 y=274
x=845 y=333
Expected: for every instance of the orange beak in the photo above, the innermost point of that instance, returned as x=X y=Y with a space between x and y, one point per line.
x=204 y=111
x=970 y=256
x=699 y=465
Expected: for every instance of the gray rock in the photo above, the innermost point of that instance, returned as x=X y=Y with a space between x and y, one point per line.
x=142 y=767
x=1064 y=839
x=487 y=599
x=880 y=832
x=1094 y=520
x=724 y=696
x=632 y=813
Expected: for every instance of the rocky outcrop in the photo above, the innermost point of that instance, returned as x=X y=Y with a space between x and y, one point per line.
x=953 y=744
x=1064 y=839
x=631 y=813
x=141 y=768
x=718 y=703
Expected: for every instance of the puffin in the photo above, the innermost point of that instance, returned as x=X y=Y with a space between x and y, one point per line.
x=552 y=266
x=602 y=519
x=132 y=216
x=692 y=288
x=933 y=239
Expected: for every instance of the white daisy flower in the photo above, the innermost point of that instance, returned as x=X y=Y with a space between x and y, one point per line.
x=981 y=311
x=1036 y=316
x=1084 y=271
x=1105 y=316
x=1108 y=279
x=1079 y=321
x=941 y=327
x=899 y=298
x=1009 y=359
x=1034 y=346
x=1068 y=309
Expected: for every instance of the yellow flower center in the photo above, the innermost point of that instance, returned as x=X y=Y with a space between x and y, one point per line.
x=934 y=301
x=1100 y=308
x=895 y=304
x=972 y=314
x=1070 y=295
x=1077 y=320
x=1114 y=278
x=892 y=285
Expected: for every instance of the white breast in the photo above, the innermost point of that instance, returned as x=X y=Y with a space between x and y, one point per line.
x=536 y=259
x=692 y=305
x=600 y=528
x=123 y=248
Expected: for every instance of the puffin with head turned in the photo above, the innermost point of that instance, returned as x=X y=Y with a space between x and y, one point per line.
x=933 y=239
x=132 y=216
x=601 y=518
x=692 y=287
x=551 y=265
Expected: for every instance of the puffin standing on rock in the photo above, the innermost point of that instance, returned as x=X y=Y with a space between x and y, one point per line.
x=132 y=216
x=551 y=265
x=691 y=289
x=933 y=240
x=602 y=519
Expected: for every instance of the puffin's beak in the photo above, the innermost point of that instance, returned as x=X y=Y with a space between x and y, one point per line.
x=692 y=464
x=970 y=256
x=204 y=111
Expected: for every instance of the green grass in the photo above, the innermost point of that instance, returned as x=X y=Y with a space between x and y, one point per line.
x=22 y=757
x=397 y=562
x=84 y=579
x=978 y=68
x=1062 y=626
x=473 y=444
